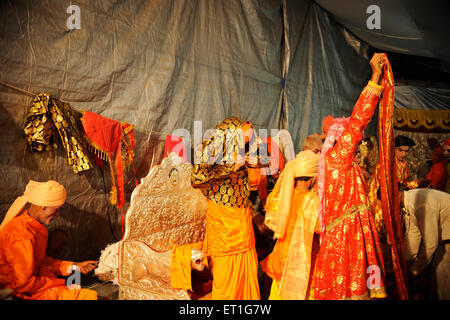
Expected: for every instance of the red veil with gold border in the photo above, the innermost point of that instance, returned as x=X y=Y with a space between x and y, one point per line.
x=388 y=182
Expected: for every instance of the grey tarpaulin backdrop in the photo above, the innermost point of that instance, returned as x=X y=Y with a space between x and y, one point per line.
x=161 y=65
x=415 y=97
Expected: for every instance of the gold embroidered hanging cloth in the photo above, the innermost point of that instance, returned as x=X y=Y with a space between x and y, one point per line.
x=48 y=117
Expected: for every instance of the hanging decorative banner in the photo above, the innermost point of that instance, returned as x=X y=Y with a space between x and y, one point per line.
x=114 y=142
x=412 y=119
x=47 y=116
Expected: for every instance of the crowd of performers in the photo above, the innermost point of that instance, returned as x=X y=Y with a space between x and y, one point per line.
x=341 y=231
x=329 y=225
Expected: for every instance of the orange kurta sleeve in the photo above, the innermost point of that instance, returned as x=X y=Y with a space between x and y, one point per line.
x=57 y=267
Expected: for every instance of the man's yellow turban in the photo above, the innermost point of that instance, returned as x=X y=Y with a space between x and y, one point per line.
x=47 y=194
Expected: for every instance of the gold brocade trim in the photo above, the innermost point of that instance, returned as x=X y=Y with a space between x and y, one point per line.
x=374 y=88
x=48 y=118
x=215 y=175
x=379 y=293
x=364 y=296
x=429 y=119
x=349 y=213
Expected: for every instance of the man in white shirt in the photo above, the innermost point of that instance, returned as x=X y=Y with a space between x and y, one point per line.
x=427 y=236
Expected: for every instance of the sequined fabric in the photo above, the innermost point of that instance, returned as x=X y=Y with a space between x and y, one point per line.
x=48 y=117
x=215 y=175
x=350 y=243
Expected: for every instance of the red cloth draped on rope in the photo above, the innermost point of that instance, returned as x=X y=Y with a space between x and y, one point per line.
x=388 y=182
x=114 y=142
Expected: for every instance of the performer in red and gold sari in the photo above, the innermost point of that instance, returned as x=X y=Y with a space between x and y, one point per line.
x=349 y=242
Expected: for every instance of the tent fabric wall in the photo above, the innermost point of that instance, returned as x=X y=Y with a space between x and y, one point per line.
x=422 y=98
x=327 y=73
x=161 y=65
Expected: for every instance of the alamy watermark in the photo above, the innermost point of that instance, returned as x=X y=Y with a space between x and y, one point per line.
x=216 y=146
x=374 y=20
x=74 y=20
x=74 y=280
x=374 y=279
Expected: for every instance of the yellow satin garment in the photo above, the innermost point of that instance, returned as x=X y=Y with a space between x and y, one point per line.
x=180 y=265
x=235 y=277
x=289 y=264
x=273 y=265
x=230 y=242
x=274 y=291
x=229 y=230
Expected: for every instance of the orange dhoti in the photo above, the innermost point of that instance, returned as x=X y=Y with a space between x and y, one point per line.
x=230 y=243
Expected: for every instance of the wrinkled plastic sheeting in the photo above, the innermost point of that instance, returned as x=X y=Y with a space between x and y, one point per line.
x=161 y=65
x=327 y=73
x=422 y=98
x=158 y=65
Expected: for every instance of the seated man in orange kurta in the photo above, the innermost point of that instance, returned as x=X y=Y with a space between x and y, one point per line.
x=24 y=266
x=291 y=212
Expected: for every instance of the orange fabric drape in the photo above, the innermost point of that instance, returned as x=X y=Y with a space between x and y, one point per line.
x=389 y=183
x=230 y=242
x=26 y=269
x=229 y=230
x=180 y=265
x=112 y=141
x=273 y=264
